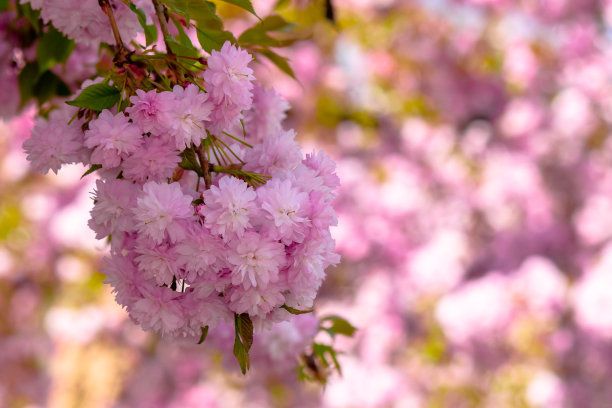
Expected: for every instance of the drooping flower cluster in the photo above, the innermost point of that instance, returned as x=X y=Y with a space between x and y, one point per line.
x=190 y=248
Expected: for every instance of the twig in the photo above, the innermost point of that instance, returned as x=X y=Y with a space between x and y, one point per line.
x=205 y=166
x=163 y=24
x=123 y=55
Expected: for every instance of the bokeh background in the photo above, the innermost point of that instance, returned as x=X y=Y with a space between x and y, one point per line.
x=472 y=139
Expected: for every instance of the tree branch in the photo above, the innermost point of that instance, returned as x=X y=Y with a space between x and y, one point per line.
x=205 y=166
x=163 y=24
x=123 y=55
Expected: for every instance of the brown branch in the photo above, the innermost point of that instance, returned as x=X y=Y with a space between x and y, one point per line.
x=160 y=11
x=205 y=166
x=123 y=55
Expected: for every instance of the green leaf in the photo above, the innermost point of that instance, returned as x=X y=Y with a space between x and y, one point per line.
x=245 y=329
x=211 y=39
x=190 y=162
x=258 y=34
x=244 y=4
x=149 y=30
x=281 y=63
x=94 y=167
x=295 y=311
x=243 y=340
x=241 y=355
x=33 y=16
x=204 y=334
x=4 y=4
x=322 y=350
x=49 y=85
x=53 y=48
x=27 y=79
x=97 y=97
x=339 y=326
x=204 y=13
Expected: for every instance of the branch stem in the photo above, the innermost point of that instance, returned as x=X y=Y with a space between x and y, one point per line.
x=205 y=166
x=163 y=24
x=123 y=54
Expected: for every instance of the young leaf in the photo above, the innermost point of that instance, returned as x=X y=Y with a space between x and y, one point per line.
x=296 y=311
x=27 y=79
x=241 y=355
x=53 y=48
x=149 y=30
x=245 y=329
x=94 y=167
x=321 y=350
x=49 y=85
x=190 y=162
x=97 y=97
x=258 y=34
x=204 y=13
x=281 y=62
x=213 y=39
x=243 y=340
x=244 y=4
x=33 y=16
x=204 y=334
x=339 y=326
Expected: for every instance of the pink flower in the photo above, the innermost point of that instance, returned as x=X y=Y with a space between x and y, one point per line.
x=255 y=260
x=200 y=253
x=54 y=142
x=154 y=160
x=256 y=301
x=277 y=154
x=228 y=209
x=128 y=284
x=161 y=211
x=151 y=110
x=160 y=310
x=324 y=167
x=265 y=117
x=229 y=77
x=112 y=211
x=188 y=115
x=285 y=210
x=157 y=262
x=112 y=137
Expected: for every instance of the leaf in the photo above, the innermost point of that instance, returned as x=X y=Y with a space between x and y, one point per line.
x=245 y=329
x=33 y=16
x=4 y=4
x=149 y=30
x=49 y=85
x=243 y=340
x=204 y=334
x=295 y=311
x=244 y=4
x=204 y=13
x=190 y=162
x=258 y=34
x=241 y=355
x=53 y=48
x=321 y=350
x=97 y=97
x=211 y=39
x=27 y=79
x=94 y=167
x=339 y=326
x=282 y=63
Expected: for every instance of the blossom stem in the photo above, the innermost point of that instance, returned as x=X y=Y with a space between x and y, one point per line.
x=163 y=25
x=123 y=54
x=205 y=166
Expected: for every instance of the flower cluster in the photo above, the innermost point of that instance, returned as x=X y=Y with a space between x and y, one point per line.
x=195 y=236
